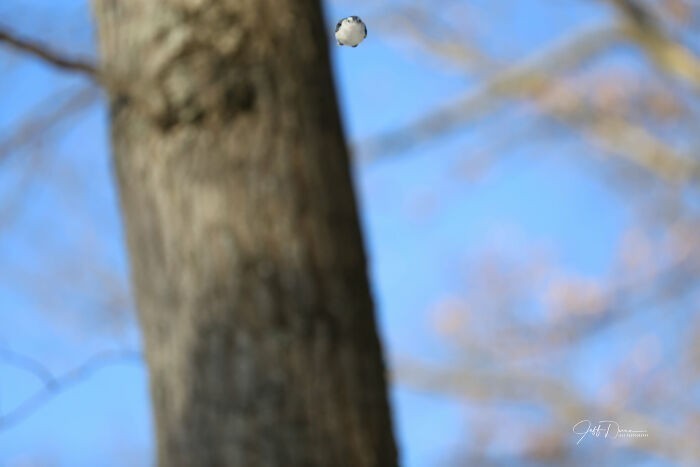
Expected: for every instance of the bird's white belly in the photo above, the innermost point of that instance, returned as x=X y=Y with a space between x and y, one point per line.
x=350 y=34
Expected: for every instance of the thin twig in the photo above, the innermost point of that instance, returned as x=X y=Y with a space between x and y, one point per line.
x=54 y=385
x=49 y=56
x=40 y=123
x=28 y=364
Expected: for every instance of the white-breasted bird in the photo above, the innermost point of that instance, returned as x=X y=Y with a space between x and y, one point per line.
x=350 y=31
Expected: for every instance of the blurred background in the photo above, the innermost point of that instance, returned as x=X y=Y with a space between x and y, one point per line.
x=528 y=178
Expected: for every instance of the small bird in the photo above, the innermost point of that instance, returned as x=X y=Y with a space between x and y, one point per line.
x=350 y=31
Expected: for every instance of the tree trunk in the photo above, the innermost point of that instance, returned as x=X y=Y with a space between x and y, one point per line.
x=246 y=254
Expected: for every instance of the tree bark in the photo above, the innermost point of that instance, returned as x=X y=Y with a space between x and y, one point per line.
x=246 y=254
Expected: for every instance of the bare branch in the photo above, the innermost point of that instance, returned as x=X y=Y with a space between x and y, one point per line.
x=522 y=79
x=28 y=364
x=669 y=55
x=623 y=138
x=439 y=38
x=54 y=385
x=565 y=402
x=49 y=56
x=640 y=147
x=528 y=79
x=27 y=131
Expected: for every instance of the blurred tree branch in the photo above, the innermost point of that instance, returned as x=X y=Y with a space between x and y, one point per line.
x=47 y=55
x=618 y=135
x=510 y=384
x=669 y=55
x=524 y=78
x=536 y=78
x=42 y=120
x=441 y=39
x=52 y=384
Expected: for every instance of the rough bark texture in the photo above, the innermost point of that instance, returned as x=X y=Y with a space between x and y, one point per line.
x=246 y=254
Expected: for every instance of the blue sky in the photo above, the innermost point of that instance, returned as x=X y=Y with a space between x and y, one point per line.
x=420 y=218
